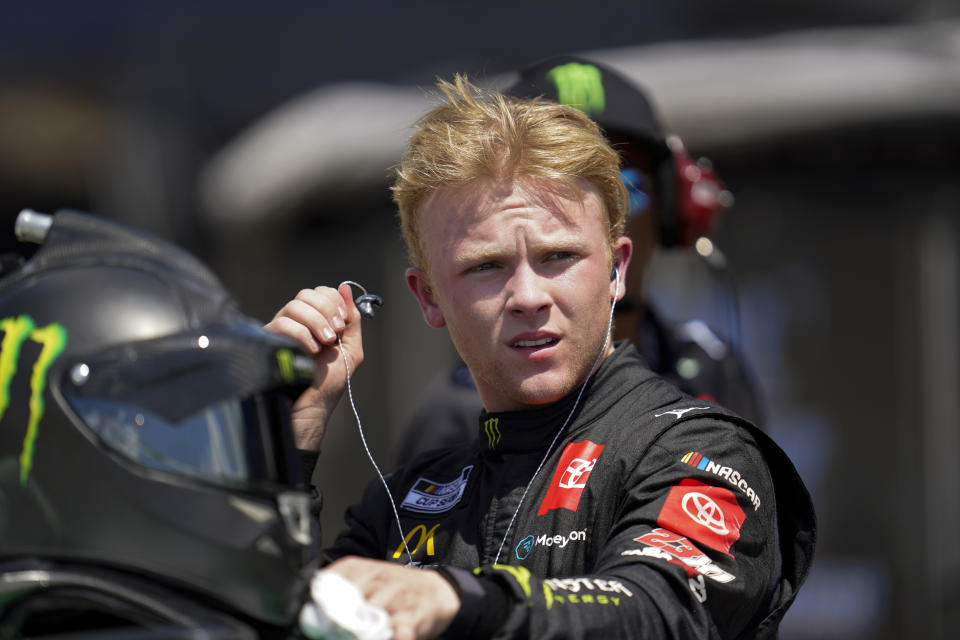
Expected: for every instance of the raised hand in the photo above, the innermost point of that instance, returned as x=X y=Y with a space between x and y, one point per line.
x=317 y=318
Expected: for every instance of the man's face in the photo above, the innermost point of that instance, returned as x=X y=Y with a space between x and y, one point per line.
x=519 y=272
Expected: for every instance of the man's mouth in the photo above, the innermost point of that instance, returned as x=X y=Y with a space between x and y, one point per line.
x=535 y=343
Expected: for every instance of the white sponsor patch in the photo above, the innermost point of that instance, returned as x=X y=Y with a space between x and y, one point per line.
x=701 y=564
x=427 y=496
x=561 y=541
x=525 y=546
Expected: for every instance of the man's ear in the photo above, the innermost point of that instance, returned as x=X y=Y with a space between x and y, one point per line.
x=622 y=251
x=420 y=287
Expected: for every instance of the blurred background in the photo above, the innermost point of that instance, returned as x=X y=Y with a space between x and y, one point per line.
x=260 y=136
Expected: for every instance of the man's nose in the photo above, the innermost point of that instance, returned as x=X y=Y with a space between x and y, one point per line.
x=527 y=292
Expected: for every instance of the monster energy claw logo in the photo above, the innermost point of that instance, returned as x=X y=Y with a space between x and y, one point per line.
x=580 y=86
x=492 y=428
x=53 y=339
x=292 y=366
x=285 y=362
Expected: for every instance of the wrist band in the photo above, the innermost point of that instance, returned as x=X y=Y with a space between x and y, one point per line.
x=471 y=596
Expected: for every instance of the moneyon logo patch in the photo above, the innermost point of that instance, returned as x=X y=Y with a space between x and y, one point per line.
x=525 y=546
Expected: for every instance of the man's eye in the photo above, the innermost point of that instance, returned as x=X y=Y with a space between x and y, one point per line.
x=563 y=256
x=486 y=266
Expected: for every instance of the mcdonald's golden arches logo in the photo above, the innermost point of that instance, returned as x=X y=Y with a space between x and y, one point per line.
x=425 y=538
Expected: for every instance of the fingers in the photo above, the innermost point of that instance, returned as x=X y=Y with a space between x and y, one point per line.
x=352 y=341
x=403 y=630
x=421 y=604
x=314 y=317
x=346 y=297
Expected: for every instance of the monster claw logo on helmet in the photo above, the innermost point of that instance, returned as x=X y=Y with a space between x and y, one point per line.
x=53 y=337
x=154 y=446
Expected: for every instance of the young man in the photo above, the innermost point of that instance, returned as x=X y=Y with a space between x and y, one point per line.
x=599 y=498
x=673 y=201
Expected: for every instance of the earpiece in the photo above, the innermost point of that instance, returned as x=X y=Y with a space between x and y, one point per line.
x=366 y=301
x=365 y=304
x=615 y=277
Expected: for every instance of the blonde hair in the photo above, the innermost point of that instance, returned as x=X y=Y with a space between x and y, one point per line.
x=477 y=134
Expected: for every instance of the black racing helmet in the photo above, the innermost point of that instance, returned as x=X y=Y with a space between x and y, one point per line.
x=144 y=421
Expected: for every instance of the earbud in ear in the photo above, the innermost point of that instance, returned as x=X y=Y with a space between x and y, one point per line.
x=615 y=277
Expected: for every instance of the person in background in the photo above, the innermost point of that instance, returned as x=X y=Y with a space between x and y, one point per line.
x=673 y=201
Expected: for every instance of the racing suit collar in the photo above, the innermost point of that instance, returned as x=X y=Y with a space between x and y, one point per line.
x=532 y=429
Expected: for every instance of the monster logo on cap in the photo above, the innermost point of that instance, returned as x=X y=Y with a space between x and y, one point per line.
x=580 y=86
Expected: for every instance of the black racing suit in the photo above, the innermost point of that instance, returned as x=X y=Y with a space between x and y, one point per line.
x=655 y=515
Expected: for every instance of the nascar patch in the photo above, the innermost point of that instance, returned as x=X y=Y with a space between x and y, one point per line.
x=703 y=463
x=428 y=496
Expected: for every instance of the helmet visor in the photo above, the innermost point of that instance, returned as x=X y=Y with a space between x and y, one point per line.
x=232 y=442
x=214 y=407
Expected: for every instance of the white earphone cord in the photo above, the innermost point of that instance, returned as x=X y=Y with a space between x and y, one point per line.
x=363 y=439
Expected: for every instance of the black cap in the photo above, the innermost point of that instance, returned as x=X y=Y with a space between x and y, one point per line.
x=615 y=103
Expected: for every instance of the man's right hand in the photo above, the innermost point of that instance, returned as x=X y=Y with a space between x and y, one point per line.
x=314 y=318
x=421 y=604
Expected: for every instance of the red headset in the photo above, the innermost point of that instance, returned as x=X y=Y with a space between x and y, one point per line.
x=692 y=200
